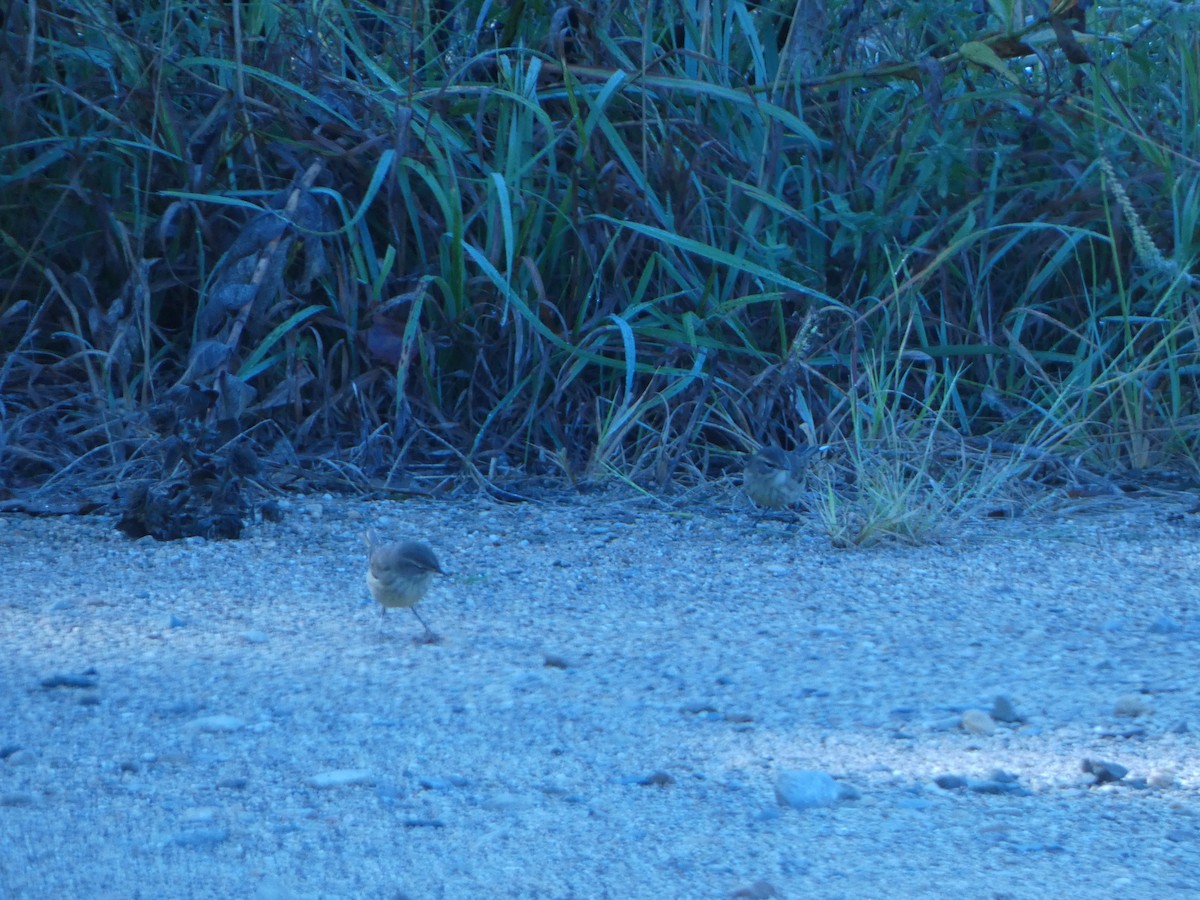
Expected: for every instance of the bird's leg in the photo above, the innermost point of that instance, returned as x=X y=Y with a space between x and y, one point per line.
x=429 y=637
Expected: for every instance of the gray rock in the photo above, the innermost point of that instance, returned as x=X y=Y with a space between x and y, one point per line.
x=424 y=823
x=1104 y=772
x=185 y=707
x=656 y=779
x=216 y=723
x=505 y=803
x=976 y=721
x=1004 y=711
x=22 y=758
x=1131 y=705
x=340 y=778
x=806 y=789
x=1164 y=624
x=85 y=680
x=988 y=786
x=760 y=890
x=200 y=837
x=1160 y=780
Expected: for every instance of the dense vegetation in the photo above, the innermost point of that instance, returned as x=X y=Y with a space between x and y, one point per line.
x=369 y=242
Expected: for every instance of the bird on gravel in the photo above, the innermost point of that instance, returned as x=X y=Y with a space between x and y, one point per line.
x=774 y=478
x=398 y=575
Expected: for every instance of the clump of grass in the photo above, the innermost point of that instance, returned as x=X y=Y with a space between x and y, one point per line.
x=418 y=241
x=908 y=475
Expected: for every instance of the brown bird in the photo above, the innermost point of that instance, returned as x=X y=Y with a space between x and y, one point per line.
x=399 y=574
x=774 y=478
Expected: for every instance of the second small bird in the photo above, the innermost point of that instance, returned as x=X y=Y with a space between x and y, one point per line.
x=774 y=478
x=398 y=575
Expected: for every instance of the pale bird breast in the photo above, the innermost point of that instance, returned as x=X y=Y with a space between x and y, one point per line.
x=780 y=478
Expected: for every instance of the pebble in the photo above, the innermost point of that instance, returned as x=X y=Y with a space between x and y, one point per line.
x=216 y=723
x=654 y=779
x=1104 y=772
x=1159 y=779
x=505 y=803
x=200 y=837
x=73 y=681
x=340 y=778
x=806 y=789
x=1131 y=705
x=1164 y=624
x=760 y=890
x=1004 y=711
x=424 y=823
x=988 y=786
x=976 y=721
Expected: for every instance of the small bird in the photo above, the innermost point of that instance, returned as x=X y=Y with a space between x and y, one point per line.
x=399 y=574
x=774 y=478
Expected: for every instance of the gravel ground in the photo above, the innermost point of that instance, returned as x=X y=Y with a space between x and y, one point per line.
x=624 y=704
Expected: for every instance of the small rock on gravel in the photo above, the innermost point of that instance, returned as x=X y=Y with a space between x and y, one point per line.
x=1131 y=705
x=806 y=789
x=656 y=779
x=1104 y=772
x=200 y=837
x=424 y=823
x=22 y=758
x=340 y=778
x=72 y=681
x=1161 y=780
x=760 y=890
x=1165 y=625
x=1004 y=711
x=216 y=723
x=976 y=721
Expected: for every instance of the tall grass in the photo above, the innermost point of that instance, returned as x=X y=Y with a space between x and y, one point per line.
x=635 y=238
